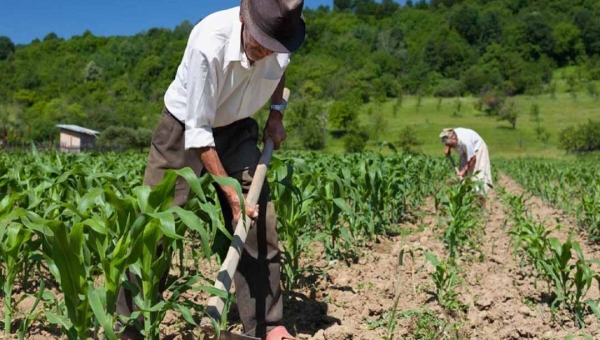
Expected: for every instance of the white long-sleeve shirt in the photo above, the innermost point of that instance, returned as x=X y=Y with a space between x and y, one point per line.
x=215 y=84
x=469 y=142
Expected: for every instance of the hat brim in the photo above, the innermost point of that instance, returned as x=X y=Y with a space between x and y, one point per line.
x=268 y=42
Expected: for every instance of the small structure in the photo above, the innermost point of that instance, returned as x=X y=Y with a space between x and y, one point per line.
x=75 y=138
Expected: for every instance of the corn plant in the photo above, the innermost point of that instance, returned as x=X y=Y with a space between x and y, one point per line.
x=573 y=187
x=393 y=313
x=445 y=278
x=293 y=206
x=589 y=212
x=461 y=217
x=531 y=237
x=570 y=281
x=15 y=247
x=331 y=205
x=518 y=207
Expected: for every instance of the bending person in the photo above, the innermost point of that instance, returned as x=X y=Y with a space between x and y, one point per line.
x=474 y=156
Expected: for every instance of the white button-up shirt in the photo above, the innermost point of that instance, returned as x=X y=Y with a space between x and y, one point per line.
x=469 y=142
x=215 y=84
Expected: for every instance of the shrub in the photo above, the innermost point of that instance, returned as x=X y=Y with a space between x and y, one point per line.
x=475 y=80
x=409 y=142
x=355 y=140
x=305 y=120
x=123 y=138
x=449 y=88
x=342 y=115
x=509 y=113
x=585 y=137
x=491 y=103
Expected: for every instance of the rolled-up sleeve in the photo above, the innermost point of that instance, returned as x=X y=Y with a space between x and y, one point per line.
x=202 y=90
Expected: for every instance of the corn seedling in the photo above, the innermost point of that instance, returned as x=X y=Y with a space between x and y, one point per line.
x=445 y=278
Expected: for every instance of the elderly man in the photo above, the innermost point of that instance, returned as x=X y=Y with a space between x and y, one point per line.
x=474 y=157
x=234 y=62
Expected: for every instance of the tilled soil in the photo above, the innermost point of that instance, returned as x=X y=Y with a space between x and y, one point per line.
x=354 y=300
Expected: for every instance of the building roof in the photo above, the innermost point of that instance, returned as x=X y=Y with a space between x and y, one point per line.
x=79 y=129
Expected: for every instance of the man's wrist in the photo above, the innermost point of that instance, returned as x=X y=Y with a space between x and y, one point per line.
x=230 y=193
x=275 y=115
x=279 y=107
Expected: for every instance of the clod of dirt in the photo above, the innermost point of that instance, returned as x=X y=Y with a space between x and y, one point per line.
x=339 y=332
x=526 y=311
x=320 y=335
x=524 y=332
x=484 y=302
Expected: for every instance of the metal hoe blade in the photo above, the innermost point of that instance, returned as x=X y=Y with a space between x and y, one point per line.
x=233 y=336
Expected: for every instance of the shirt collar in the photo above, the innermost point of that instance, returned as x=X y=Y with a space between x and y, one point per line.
x=235 y=51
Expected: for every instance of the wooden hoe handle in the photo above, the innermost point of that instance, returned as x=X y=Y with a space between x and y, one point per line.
x=229 y=266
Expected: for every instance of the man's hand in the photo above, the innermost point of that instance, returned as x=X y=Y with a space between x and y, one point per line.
x=234 y=202
x=210 y=159
x=275 y=129
x=447 y=151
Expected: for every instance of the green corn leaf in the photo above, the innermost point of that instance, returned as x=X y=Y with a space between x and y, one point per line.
x=162 y=195
x=213 y=291
x=194 y=223
x=167 y=224
x=97 y=303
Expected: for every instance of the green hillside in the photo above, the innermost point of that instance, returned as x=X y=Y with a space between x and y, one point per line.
x=360 y=54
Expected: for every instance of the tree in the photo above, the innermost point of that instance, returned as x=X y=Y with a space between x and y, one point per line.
x=6 y=47
x=583 y=138
x=409 y=141
x=342 y=115
x=378 y=126
x=537 y=33
x=510 y=114
x=568 y=44
x=305 y=120
x=24 y=97
x=534 y=112
x=343 y=5
x=119 y=137
x=589 y=25
x=387 y=8
x=366 y=7
x=92 y=72
x=183 y=30
x=356 y=140
x=50 y=36
x=446 y=52
x=491 y=29
x=466 y=21
x=142 y=138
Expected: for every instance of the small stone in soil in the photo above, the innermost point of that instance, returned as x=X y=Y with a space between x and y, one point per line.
x=525 y=311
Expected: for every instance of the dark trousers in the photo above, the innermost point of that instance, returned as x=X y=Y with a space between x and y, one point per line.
x=257 y=280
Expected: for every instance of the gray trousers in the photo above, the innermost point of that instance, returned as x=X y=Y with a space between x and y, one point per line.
x=257 y=280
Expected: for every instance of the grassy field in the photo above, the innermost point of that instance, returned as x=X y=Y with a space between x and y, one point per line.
x=502 y=140
x=432 y=116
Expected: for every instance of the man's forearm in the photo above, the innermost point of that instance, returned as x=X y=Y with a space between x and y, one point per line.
x=274 y=127
x=470 y=164
x=212 y=163
x=277 y=97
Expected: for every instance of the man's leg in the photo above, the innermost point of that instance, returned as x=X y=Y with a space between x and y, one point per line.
x=257 y=280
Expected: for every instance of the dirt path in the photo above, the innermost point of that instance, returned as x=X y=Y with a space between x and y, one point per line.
x=353 y=301
x=501 y=295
